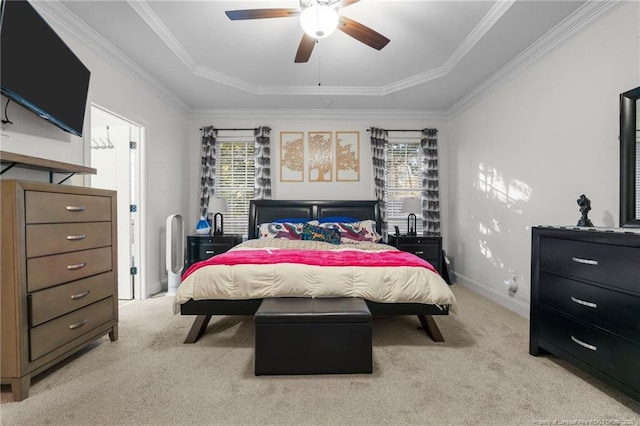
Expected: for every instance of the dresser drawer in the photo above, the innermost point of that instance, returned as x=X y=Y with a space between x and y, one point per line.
x=425 y=251
x=53 y=334
x=207 y=250
x=47 y=271
x=53 y=207
x=614 y=356
x=618 y=266
x=64 y=237
x=617 y=312
x=56 y=301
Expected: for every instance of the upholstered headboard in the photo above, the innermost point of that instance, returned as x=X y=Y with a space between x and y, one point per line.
x=263 y=211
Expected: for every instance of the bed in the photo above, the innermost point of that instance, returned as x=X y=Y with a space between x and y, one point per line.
x=203 y=293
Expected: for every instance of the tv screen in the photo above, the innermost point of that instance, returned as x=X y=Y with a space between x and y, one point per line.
x=38 y=70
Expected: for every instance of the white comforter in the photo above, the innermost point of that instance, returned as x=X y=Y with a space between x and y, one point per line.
x=393 y=284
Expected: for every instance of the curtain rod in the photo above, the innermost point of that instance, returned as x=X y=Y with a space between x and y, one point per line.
x=201 y=128
x=399 y=130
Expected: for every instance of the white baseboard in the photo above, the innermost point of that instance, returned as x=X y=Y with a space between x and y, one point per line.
x=518 y=306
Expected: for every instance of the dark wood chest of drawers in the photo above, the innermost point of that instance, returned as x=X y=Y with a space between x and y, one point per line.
x=585 y=302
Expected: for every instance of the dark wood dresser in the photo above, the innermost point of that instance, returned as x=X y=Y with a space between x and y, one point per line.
x=59 y=275
x=585 y=301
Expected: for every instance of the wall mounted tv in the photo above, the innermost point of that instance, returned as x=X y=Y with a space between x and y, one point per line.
x=38 y=70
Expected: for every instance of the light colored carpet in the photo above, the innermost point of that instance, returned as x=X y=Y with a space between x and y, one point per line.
x=481 y=375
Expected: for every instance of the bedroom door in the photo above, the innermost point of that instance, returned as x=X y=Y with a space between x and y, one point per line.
x=116 y=143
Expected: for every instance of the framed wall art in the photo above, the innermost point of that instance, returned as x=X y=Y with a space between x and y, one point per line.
x=291 y=156
x=347 y=156
x=320 y=157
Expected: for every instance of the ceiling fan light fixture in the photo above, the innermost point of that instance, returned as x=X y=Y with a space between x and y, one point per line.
x=319 y=20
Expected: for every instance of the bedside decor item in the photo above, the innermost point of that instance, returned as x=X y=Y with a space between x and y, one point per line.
x=411 y=205
x=202 y=227
x=217 y=205
x=585 y=206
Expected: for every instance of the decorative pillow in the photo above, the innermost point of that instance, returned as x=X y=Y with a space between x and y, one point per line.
x=354 y=232
x=335 y=219
x=320 y=233
x=290 y=231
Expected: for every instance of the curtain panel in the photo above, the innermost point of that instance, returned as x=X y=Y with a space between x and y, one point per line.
x=379 y=141
x=430 y=182
x=207 y=167
x=262 y=187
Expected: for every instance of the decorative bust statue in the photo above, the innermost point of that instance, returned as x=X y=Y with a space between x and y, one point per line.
x=585 y=206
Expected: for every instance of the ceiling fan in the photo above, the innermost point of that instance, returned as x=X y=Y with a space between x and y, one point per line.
x=319 y=18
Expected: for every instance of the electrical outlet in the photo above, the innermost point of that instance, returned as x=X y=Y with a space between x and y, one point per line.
x=512 y=282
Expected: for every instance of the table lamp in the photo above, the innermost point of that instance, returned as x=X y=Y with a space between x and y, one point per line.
x=411 y=205
x=217 y=205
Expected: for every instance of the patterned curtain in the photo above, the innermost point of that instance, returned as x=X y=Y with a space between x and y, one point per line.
x=207 y=167
x=262 y=163
x=379 y=141
x=430 y=184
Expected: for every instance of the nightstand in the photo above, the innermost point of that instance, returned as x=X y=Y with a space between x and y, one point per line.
x=428 y=248
x=201 y=247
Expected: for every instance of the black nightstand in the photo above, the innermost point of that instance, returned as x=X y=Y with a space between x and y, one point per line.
x=428 y=248
x=201 y=247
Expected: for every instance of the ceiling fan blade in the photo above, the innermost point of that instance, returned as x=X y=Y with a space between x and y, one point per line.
x=362 y=33
x=304 y=50
x=236 y=15
x=345 y=3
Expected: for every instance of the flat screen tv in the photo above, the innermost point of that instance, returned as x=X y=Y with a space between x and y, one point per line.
x=38 y=70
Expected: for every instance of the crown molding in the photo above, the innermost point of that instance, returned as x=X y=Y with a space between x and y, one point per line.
x=318 y=114
x=57 y=15
x=578 y=21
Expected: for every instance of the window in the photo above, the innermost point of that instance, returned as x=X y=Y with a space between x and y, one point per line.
x=404 y=180
x=234 y=180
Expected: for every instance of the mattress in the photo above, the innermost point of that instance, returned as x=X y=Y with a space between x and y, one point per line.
x=275 y=267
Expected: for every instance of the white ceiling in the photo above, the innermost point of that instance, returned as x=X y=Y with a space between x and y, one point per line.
x=440 y=51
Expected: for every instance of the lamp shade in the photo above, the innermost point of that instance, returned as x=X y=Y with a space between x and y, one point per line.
x=319 y=20
x=412 y=205
x=217 y=205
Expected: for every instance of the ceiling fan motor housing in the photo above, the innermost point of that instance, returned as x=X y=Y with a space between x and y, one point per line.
x=318 y=19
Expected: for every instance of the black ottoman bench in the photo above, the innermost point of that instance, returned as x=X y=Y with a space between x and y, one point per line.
x=313 y=336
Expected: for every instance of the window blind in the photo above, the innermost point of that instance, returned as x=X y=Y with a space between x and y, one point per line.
x=235 y=180
x=403 y=180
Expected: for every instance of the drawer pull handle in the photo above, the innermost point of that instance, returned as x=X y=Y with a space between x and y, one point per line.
x=210 y=251
x=78 y=324
x=75 y=208
x=80 y=295
x=76 y=266
x=583 y=344
x=76 y=237
x=584 y=302
x=419 y=252
x=584 y=261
